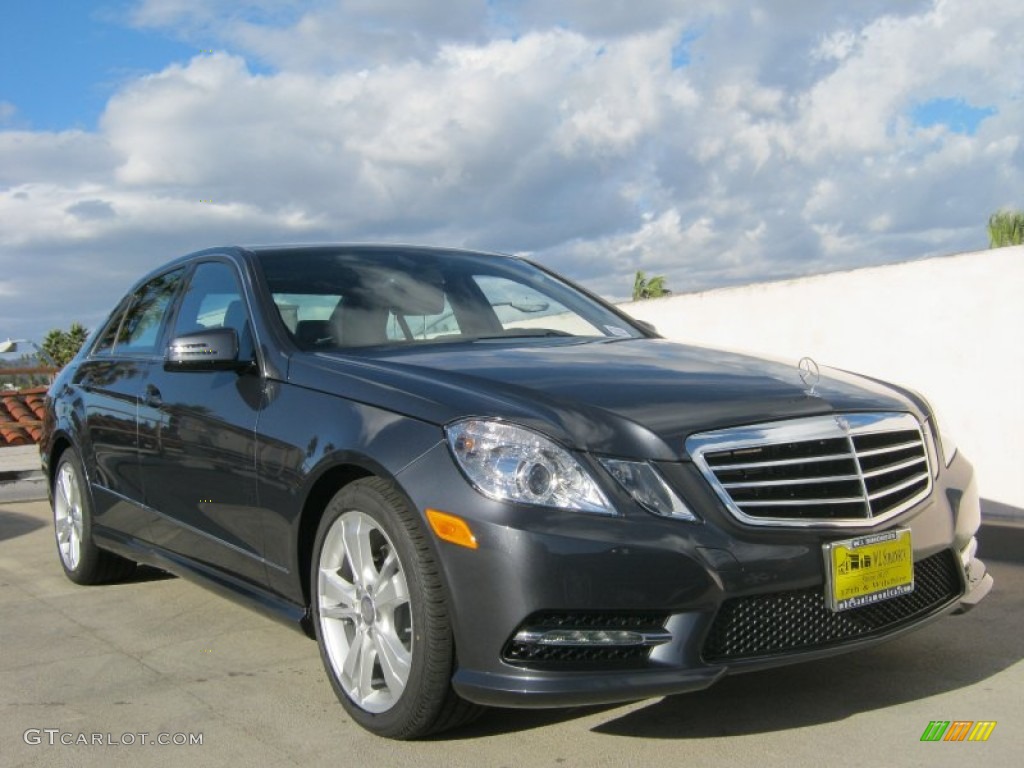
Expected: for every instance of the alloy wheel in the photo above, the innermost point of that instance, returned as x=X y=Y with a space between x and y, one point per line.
x=67 y=515
x=365 y=612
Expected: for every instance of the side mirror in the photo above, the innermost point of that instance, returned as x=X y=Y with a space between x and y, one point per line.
x=212 y=350
x=647 y=327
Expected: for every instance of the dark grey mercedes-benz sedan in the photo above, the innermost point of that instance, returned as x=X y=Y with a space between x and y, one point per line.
x=478 y=484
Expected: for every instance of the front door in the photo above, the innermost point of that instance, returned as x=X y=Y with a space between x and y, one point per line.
x=197 y=432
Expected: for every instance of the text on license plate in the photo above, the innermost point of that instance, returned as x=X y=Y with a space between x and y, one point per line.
x=868 y=569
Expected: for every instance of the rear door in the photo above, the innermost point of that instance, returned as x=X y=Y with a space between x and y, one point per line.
x=111 y=382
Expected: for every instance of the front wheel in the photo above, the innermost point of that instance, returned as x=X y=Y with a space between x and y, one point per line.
x=380 y=615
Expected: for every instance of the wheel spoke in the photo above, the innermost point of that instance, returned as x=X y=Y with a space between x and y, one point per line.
x=387 y=569
x=355 y=652
x=394 y=660
x=74 y=547
x=63 y=485
x=74 y=495
x=367 y=661
x=392 y=593
x=64 y=528
x=338 y=612
x=357 y=549
x=337 y=596
x=359 y=664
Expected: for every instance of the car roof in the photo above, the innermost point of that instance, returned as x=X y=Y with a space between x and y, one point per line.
x=241 y=251
x=369 y=248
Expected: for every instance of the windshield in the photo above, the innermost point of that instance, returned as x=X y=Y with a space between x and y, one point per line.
x=356 y=297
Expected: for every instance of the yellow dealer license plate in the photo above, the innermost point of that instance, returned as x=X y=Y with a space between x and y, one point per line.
x=868 y=569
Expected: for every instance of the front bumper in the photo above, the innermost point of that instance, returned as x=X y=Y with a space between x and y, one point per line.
x=535 y=566
x=979 y=580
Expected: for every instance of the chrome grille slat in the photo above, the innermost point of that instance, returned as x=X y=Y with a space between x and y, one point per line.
x=893 y=467
x=896 y=488
x=889 y=449
x=797 y=481
x=776 y=473
x=782 y=463
x=803 y=502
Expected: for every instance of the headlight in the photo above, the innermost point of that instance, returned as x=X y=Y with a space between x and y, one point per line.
x=648 y=488
x=511 y=463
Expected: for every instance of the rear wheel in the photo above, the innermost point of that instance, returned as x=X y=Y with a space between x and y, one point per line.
x=381 y=617
x=82 y=560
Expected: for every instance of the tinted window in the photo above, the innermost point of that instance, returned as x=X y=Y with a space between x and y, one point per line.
x=214 y=300
x=361 y=297
x=139 y=330
x=108 y=336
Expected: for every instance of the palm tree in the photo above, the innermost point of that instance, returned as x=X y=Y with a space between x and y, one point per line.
x=649 y=289
x=1005 y=228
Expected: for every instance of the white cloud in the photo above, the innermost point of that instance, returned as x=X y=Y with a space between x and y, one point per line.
x=954 y=49
x=42 y=156
x=781 y=143
x=836 y=45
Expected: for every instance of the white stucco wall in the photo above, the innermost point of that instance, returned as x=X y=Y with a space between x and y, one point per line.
x=949 y=327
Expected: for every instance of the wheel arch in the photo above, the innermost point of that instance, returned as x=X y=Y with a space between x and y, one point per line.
x=59 y=443
x=328 y=483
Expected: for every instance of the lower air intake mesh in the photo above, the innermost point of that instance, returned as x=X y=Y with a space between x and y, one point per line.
x=798 y=620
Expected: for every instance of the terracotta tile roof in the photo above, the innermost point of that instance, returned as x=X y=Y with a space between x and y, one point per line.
x=21 y=416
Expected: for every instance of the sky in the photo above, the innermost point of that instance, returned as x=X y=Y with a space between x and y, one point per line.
x=710 y=141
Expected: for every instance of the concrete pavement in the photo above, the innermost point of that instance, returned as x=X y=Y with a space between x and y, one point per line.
x=21 y=477
x=162 y=656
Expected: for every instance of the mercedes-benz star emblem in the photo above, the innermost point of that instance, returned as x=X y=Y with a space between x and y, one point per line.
x=809 y=374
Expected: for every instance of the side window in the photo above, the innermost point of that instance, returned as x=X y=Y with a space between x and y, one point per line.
x=307 y=316
x=139 y=331
x=214 y=299
x=106 y=339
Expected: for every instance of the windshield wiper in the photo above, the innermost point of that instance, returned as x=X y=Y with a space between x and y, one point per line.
x=516 y=333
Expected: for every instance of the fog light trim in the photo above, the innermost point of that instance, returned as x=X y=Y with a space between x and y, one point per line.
x=591 y=637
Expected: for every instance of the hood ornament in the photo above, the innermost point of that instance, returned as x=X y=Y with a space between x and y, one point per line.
x=810 y=375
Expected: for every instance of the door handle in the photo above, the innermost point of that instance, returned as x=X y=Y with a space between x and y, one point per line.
x=153 y=398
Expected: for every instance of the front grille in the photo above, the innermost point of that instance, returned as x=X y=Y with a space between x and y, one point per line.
x=832 y=470
x=573 y=656
x=798 y=620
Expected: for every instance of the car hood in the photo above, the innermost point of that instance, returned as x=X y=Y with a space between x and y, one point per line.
x=635 y=397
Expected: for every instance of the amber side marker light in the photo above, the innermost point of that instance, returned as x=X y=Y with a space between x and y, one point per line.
x=451 y=528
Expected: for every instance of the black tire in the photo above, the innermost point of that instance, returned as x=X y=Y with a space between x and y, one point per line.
x=83 y=562
x=381 y=617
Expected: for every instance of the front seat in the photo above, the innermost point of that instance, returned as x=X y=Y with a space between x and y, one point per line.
x=361 y=325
